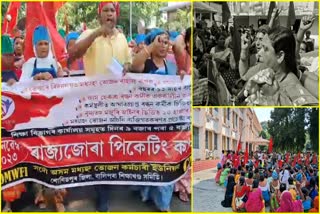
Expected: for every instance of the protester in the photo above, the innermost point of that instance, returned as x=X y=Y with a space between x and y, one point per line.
x=115 y=44
x=255 y=201
x=227 y=202
x=8 y=70
x=288 y=205
x=43 y=66
x=240 y=195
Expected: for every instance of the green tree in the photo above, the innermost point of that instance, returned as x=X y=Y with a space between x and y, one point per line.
x=313 y=128
x=289 y=128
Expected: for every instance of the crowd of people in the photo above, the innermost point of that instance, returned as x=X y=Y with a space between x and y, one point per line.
x=271 y=65
x=157 y=52
x=284 y=182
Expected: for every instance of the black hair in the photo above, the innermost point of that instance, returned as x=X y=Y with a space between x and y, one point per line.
x=239 y=168
x=283 y=187
x=250 y=174
x=261 y=177
x=255 y=183
x=17 y=37
x=290 y=180
x=241 y=181
x=242 y=173
x=256 y=170
x=282 y=39
x=224 y=166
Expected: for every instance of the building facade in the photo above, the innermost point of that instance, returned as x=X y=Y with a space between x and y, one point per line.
x=217 y=129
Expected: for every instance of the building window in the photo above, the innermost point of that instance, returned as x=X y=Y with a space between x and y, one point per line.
x=235 y=122
x=195 y=137
x=216 y=109
x=228 y=144
x=207 y=140
x=228 y=114
x=215 y=141
x=224 y=115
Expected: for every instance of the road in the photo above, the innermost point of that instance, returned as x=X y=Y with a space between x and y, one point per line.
x=82 y=199
x=207 y=194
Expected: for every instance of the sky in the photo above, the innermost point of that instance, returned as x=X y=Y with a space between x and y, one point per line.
x=263 y=114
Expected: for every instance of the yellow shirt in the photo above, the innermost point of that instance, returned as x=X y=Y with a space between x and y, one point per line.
x=102 y=50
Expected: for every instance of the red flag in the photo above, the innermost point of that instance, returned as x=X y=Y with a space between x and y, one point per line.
x=295 y=159
x=287 y=157
x=235 y=160
x=11 y=18
x=51 y=9
x=291 y=16
x=225 y=13
x=307 y=162
x=246 y=155
x=270 y=145
x=299 y=158
x=239 y=145
x=36 y=106
x=36 y=16
x=314 y=158
x=280 y=163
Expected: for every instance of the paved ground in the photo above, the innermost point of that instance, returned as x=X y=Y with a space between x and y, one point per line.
x=82 y=199
x=207 y=194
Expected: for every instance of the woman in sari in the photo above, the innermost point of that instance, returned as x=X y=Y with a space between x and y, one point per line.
x=288 y=205
x=240 y=196
x=249 y=180
x=279 y=83
x=151 y=60
x=227 y=202
x=275 y=192
x=77 y=64
x=217 y=178
x=255 y=201
x=224 y=174
x=225 y=61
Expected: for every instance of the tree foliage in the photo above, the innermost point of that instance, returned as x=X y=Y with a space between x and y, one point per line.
x=289 y=127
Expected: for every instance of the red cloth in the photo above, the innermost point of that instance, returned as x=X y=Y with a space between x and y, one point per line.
x=314 y=158
x=307 y=162
x=239 y=145
x=270 y=145
x=51 y=9
x=235 y=160
x=115 y=4
x=36 y=16
x=246 y=156
x=280 y=163
x=287 y=157
x=7 y=27
x=299 y=159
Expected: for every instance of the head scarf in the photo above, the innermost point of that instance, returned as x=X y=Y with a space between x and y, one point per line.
x=72 y=36
x=152 y=35
x=40 y=33
x=6 y=45
x=275 y=175
x=299 y=177
x=115 y=4
x=140 y=38
x=219 y=166
x=287 y=205
x=173 y=35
